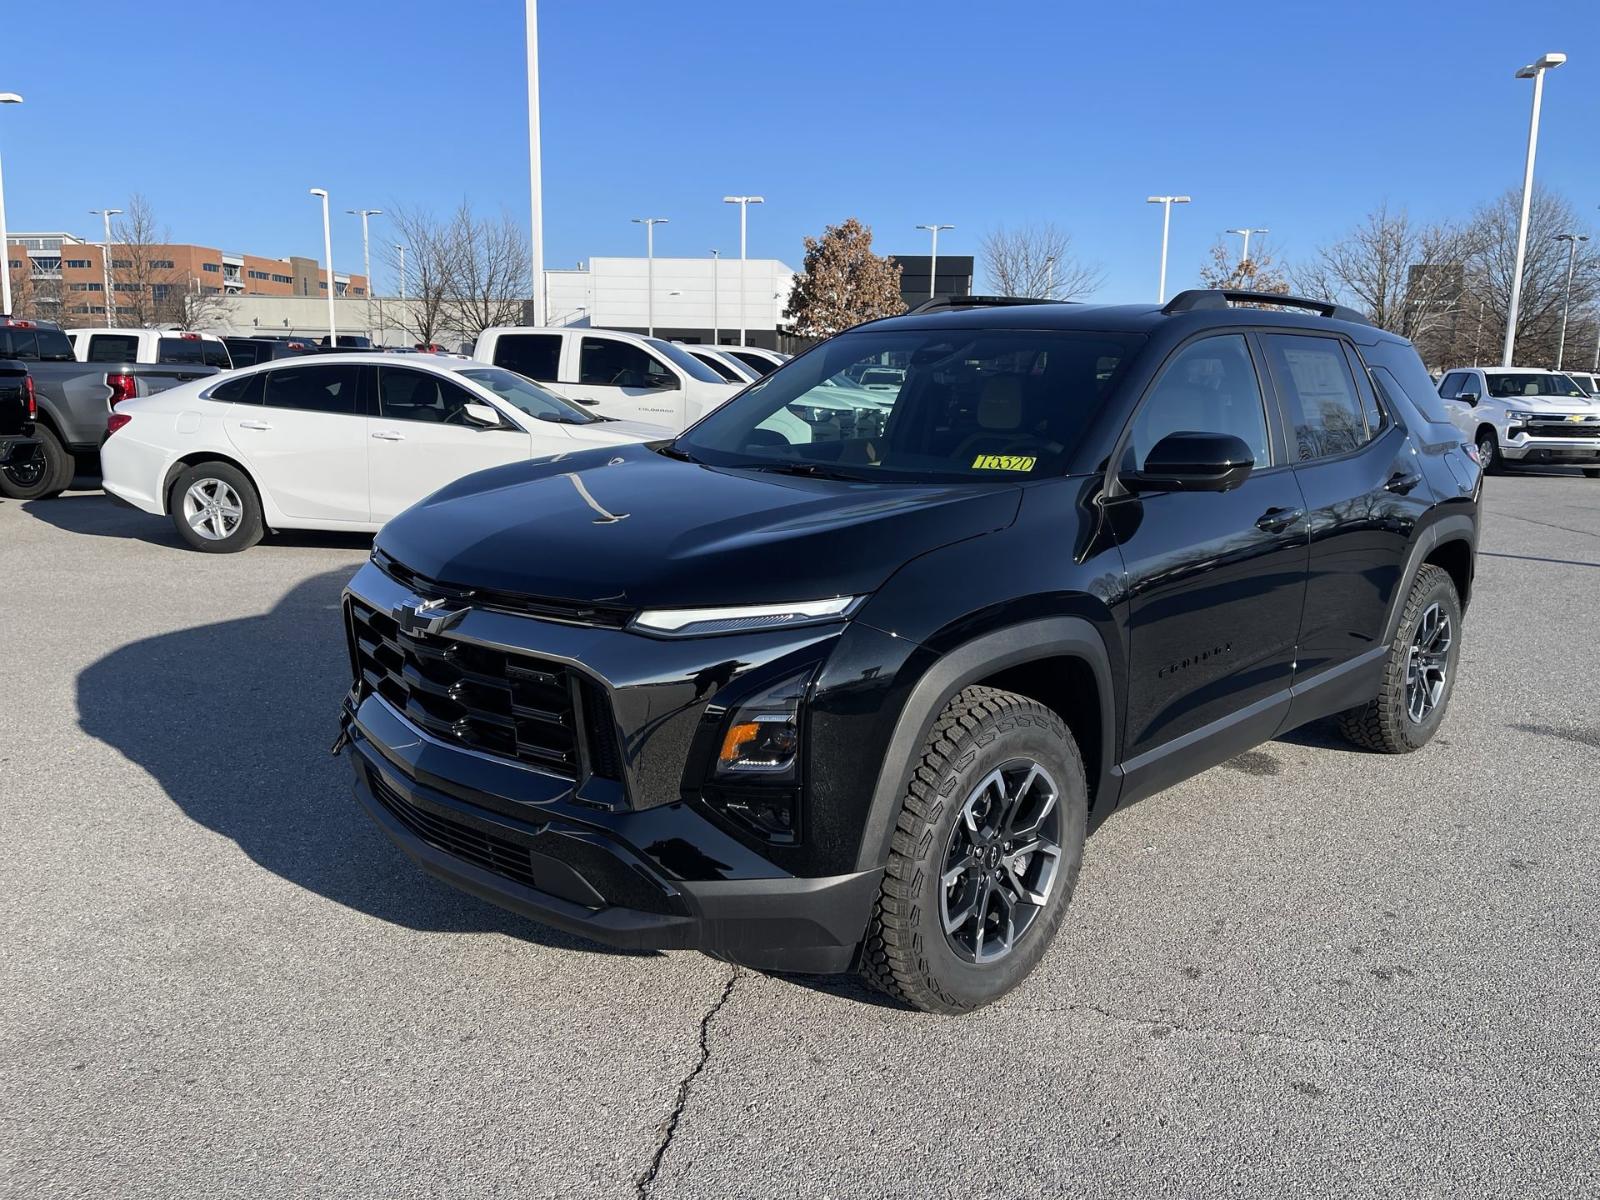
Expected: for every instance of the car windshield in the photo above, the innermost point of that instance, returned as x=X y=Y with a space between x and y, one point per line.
x=679 y=357
x=532 y=399
x=1531 y=383
x=952 y=404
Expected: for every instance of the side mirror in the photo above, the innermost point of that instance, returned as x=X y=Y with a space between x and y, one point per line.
x=482 y=415
x=1468 y=398
x=1193 y=462
x=662 y=383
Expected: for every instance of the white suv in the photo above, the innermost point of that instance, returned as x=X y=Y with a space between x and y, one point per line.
x=1524 y=415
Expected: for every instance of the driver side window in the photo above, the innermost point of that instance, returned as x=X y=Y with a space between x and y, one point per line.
x=1209 y=387
x=606 y=363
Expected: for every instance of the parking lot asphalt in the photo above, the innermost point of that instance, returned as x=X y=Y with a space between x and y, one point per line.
x=1312 y=971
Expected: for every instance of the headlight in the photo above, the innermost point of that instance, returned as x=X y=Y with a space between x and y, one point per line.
x=1520 y=416
x=695 y=622
x=762 y=734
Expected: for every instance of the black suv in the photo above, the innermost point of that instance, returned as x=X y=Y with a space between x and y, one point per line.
x=842 y=677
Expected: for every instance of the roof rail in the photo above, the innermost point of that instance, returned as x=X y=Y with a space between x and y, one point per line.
x=1222 y=297
x=939 y=303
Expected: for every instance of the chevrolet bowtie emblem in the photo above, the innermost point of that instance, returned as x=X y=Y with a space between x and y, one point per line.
x=1577 y=417
x=430 y=616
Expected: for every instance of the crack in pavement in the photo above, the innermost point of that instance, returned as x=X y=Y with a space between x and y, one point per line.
x=669 y=1127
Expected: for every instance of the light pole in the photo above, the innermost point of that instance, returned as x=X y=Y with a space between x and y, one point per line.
x=1166 y=203
x=933 y=263
x=366 y=255
x=105 y=214
x=650 y=224
x=1050 y=277
x=327 y=253
x=716 y=268
x=1572 y=240
x=744 y=203
x=402 y=251
x=1244 y=255
x=535 y=173
x=1534 y=71
x=5 y=243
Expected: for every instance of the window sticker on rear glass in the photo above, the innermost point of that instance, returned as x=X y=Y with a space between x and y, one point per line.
x=1004 y=462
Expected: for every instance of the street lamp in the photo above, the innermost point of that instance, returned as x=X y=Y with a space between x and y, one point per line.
x=716 y=268
x=650 y=224
x=535 y=173
x=366 y=256
x=1534 y=71
x=106 y=214
x=327 y=253
x=1244 y=256
x=5 y=242
x=744 y=203
x=1572 y=240
x=1166 y=203
x=933 y=263
x=402 y=251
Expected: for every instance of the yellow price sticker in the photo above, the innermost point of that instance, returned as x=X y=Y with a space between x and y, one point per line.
x=1004 y=462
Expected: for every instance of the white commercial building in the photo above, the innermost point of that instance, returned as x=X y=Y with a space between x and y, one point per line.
x=693 y=299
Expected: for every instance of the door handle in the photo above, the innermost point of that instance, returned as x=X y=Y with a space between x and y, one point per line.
x=1276 y=520
x=1401 y=482
x=389 y=435
x=254 y=425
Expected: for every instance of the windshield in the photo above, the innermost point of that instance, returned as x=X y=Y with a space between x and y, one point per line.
x=943 y=404
x=679 y=357
x=532 y=399
x=1529 y=383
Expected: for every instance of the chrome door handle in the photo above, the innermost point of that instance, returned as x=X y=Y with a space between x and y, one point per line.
x=254 y=425
x=1276 y=520
x=389 y=435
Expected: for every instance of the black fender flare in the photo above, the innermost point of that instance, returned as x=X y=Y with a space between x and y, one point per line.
x=1454 y=527
x=1050 y=637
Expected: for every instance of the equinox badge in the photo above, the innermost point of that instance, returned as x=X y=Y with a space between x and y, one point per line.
x=431 y=616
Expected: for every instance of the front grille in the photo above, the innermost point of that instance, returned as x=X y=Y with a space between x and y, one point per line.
x=513 y=705
x=489 y=851
x=567 y=611
x=1563 y=429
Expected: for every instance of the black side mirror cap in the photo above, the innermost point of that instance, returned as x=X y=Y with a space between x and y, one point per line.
x=1193 y=462
x=1468 y=398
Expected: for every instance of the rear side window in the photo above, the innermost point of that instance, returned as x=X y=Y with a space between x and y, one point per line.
x=113 y=348
x=536 y=355
x=1402 y=366
x=244 y=354
x=607 y=363
x=329 y=388
x=215 y=354
x=1323 y=408
x=35 y=345
x=243 y=389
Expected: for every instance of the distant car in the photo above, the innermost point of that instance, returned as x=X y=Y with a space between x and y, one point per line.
x=881 y=379
x=724 y=364
x=345 y=341
x=168 y=347
x=332 y=442
x=248 y=351
x=1589 y=381
x=759 y=359
x=1524 y=415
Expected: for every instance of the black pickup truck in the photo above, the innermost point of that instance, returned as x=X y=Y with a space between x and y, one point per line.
x=19 y=449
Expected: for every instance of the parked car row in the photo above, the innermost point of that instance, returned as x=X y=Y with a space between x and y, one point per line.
x=1525 y=415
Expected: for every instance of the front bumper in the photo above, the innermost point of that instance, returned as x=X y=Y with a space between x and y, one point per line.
x=1532 y=448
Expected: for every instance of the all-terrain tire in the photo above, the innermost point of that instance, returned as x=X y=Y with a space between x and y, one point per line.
x=46 y=474
x=907 y=953
x=1385 y=723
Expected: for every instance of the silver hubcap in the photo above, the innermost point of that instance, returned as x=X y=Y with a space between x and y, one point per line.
x=1428 y=664
x=1001 y=862
x=213 y=509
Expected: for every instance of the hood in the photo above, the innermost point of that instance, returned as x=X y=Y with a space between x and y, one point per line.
x=631 y=527
x=1544 y=403
x=613 y=432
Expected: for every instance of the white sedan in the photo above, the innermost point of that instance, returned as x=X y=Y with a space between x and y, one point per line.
x=334 y=441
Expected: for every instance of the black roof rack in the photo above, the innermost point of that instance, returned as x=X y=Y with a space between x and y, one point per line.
x=1222 y=297
x=939 y=303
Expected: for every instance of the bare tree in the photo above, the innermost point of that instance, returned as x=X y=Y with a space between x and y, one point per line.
x=191 y=304
x=142 y=276
x=487 y=277
x=1036 y=260
x=843 y=283
x=1258 y=273
x=424 y=272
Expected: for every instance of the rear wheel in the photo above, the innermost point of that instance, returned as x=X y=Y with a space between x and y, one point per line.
x=45 y=473
x=984 y=858
x=1419 y=672
x=215 y=508
x=1489 y=452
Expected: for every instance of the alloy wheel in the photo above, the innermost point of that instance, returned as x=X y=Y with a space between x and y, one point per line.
x=1001 y=862
x=1428 y=663
x=213 y=509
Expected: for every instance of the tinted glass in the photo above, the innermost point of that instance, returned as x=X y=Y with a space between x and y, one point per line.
x=721 y=368
x=1323 y=409
x=528 y=396
x=1531 y=383
x=972 y=404
x=684 y=361
x=1404 y=370
x=406 y=395
x=19 y=343
x=245 y=353
x=215 y=354
x=1450 y=386
x=242 y=389
x=609 y=363
x=536 y=355
x=313 y=388
x=113 y=348
x=1364 y=389
x=55 y=346
x=1210 y=386
x=755 y=362
x=179 y=350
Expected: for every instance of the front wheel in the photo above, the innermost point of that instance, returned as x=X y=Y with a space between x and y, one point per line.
x=984 y=858
x=45 y=473
x=215 y=508
x=1489 y=456
x=1419 y=672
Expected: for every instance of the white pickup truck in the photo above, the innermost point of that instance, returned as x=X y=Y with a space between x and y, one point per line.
x=1524 y=415
x=165 y=346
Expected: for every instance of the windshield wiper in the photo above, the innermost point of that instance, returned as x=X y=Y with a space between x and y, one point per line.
x=671 y=451
x=810 y=470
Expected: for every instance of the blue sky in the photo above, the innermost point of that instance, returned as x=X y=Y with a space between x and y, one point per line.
x=1297 y=117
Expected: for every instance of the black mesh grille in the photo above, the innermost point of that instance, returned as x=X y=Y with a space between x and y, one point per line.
x=512 y=705
x=1563 y=429
x=492 y=853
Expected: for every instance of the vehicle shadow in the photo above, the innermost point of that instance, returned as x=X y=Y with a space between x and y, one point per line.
x=98 y=515
x=234 y=721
